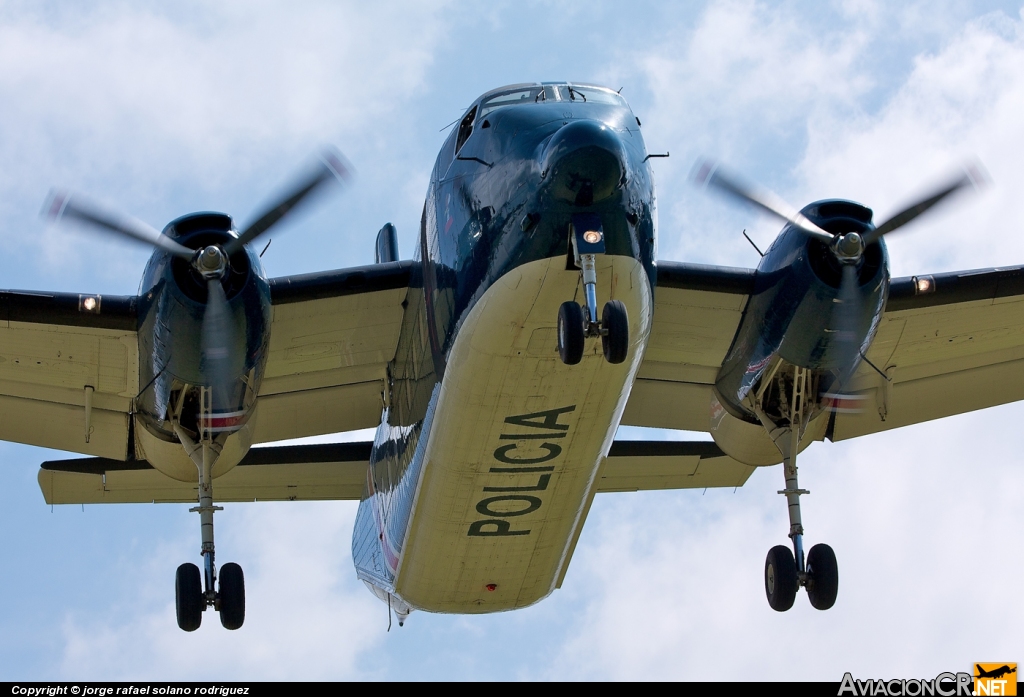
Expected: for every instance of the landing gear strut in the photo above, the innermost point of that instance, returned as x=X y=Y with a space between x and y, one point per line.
x=575 y=323
x=786 y=571
x=191 y=600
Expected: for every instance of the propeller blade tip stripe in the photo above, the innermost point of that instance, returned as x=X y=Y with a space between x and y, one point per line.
x=55 y=204
x=976 y=175
x=335 y=163
x=703 y=171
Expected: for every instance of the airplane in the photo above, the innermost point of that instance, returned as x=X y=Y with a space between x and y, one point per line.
x=497 y=365
x=995 y=673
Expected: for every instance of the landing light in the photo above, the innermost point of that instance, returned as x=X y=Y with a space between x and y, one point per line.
x=923 y=285
x=89 y=303
x=491 y=586
x=592 y=236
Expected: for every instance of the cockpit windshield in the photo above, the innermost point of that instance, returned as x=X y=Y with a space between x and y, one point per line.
x=551 y=93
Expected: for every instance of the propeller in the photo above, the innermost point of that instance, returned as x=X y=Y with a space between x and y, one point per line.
x=709 y=173
x=211 y=262
x=848 y=248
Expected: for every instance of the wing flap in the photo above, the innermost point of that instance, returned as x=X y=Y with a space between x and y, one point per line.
x=332 y=337
x=683 y=406
x=651 y=465
x=315 y=412
x=62 y=427
x=335 y=471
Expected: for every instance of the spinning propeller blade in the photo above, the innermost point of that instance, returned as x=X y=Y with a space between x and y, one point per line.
x=710 y=173
x=848 y=247
x=971 y=175
x=331 y=167
x=62 y=205
x=847 y=315
x=211 y=262
x=217 y=342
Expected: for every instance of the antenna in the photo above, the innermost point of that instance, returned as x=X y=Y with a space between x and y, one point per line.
x=752 y=243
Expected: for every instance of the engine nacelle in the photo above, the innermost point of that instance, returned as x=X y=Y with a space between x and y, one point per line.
x=749 y=443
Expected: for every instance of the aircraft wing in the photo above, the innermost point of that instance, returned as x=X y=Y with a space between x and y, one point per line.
x=947 y=344
x=332 y=336
x=696 y=312
x=956 y=347
x=338 y=471
x=58 y=350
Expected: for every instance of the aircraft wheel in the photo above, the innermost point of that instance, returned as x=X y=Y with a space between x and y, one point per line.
x=616 y=341
x=232 y=596
x=780 y=578
x=570 y=333
x=188 y=597
x=823 y=573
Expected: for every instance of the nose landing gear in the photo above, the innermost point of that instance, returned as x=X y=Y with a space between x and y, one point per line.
x=575 y=323
x=786 y=571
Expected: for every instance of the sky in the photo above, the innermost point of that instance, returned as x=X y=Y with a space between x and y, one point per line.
x=161 y=110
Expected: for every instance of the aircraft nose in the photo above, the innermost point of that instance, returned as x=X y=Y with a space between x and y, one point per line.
x=584 y=162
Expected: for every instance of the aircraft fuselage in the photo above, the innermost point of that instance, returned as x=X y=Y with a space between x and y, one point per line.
x=484 y=463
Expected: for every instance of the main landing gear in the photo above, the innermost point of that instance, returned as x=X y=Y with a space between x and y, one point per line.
x=190 y=598
x=786 y=571
x=576 y=323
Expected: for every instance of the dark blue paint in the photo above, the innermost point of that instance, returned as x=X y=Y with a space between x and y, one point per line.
x=792 y=311
x=172 y=301
x=502 y=194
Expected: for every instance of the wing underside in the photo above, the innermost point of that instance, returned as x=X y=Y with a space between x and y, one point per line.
x=338 y=471
x=66 y=364
x=68 y=371
x=69 y=363
x=946 y=344
x=332 y=337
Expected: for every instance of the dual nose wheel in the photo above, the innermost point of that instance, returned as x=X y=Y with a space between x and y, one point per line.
x=573 y=329
x=782 y=579
x=190 y=601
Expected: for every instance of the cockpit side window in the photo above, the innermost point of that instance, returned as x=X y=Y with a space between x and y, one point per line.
x=465 y=130
x=591 y=95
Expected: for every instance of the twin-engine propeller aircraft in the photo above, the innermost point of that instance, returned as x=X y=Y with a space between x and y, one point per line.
x=498 y=364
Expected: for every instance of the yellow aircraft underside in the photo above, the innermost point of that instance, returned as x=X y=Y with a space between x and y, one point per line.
x=500 y=502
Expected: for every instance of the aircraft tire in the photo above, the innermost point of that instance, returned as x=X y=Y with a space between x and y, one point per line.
x=615 y=342
x=188 y=597
x=780 y=578
x=232 y=596
x=570 y=333
x=823 y=581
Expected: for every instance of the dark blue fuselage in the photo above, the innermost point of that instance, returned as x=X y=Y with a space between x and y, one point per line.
x=502 y=193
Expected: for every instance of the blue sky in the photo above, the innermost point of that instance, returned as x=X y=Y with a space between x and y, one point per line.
x=165 y=111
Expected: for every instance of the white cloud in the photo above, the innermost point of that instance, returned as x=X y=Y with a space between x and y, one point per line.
x=208 y=108
x=959 y=103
